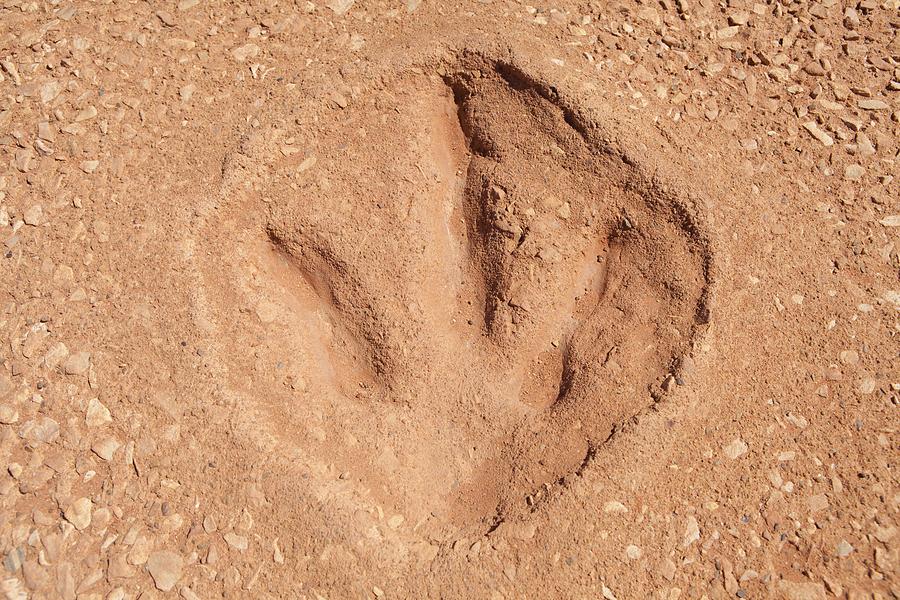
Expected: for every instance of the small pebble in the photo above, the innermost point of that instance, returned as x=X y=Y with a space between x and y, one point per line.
x=735 y=449
x=844 y=549
x=79 y=513
x=97 y=414
x=854 y=172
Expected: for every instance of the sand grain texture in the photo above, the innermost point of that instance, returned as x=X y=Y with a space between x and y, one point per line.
x=473 y=300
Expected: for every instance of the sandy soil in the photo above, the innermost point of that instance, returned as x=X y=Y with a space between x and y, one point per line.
x=449 y=300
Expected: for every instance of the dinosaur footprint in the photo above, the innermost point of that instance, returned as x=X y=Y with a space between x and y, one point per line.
x=467 y=294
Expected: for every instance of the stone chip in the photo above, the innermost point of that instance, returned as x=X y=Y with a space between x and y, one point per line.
x=854 y=172
x=79 y=513
x=807 y=590
x=78 y=363
x=735 y=449
x=691 y=532
x=40 y=430
x=97 y=414
x=165 y=568
x=33 y=215
x=106 y=448
x=238 y=542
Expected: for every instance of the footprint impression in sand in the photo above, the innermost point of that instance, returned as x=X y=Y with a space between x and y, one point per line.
x=455 y=306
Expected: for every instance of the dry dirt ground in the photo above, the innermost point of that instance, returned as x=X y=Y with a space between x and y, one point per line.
x=342 y=299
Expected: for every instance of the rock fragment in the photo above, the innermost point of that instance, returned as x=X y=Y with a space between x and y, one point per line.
x=40 y=430
x=277 y=554
x=864 y=146
x=815 y=69
x=667 y=569
x=817 y=133
x=106 y=448
x=79 y=513
x=77 y=364
x=818 y=503
x=86 y=114
x=166 y=18
x=165 y=568
x=247 y=51
x=691 y=532
x=872 y=104
x=8 y=414
x=97 y=414
x=735 y=449
x=119 y=567
x=13 y=589
x=33 y=215
x=24 y=156
x=50 y=90
x=140 y=551
x=10 y=67
x=89 y=166
x=885 y=534
x=187 y=92
x=238 y=542
x=854 y=172
x=844 y=549
x=189 y=594
x=209 y=524
x=806 y=590
x=340 y=6
x=55 y=355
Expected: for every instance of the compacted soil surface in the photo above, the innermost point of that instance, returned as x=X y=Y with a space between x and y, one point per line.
x=480 y=299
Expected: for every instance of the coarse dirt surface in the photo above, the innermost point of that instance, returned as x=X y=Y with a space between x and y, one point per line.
x=342 y=299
